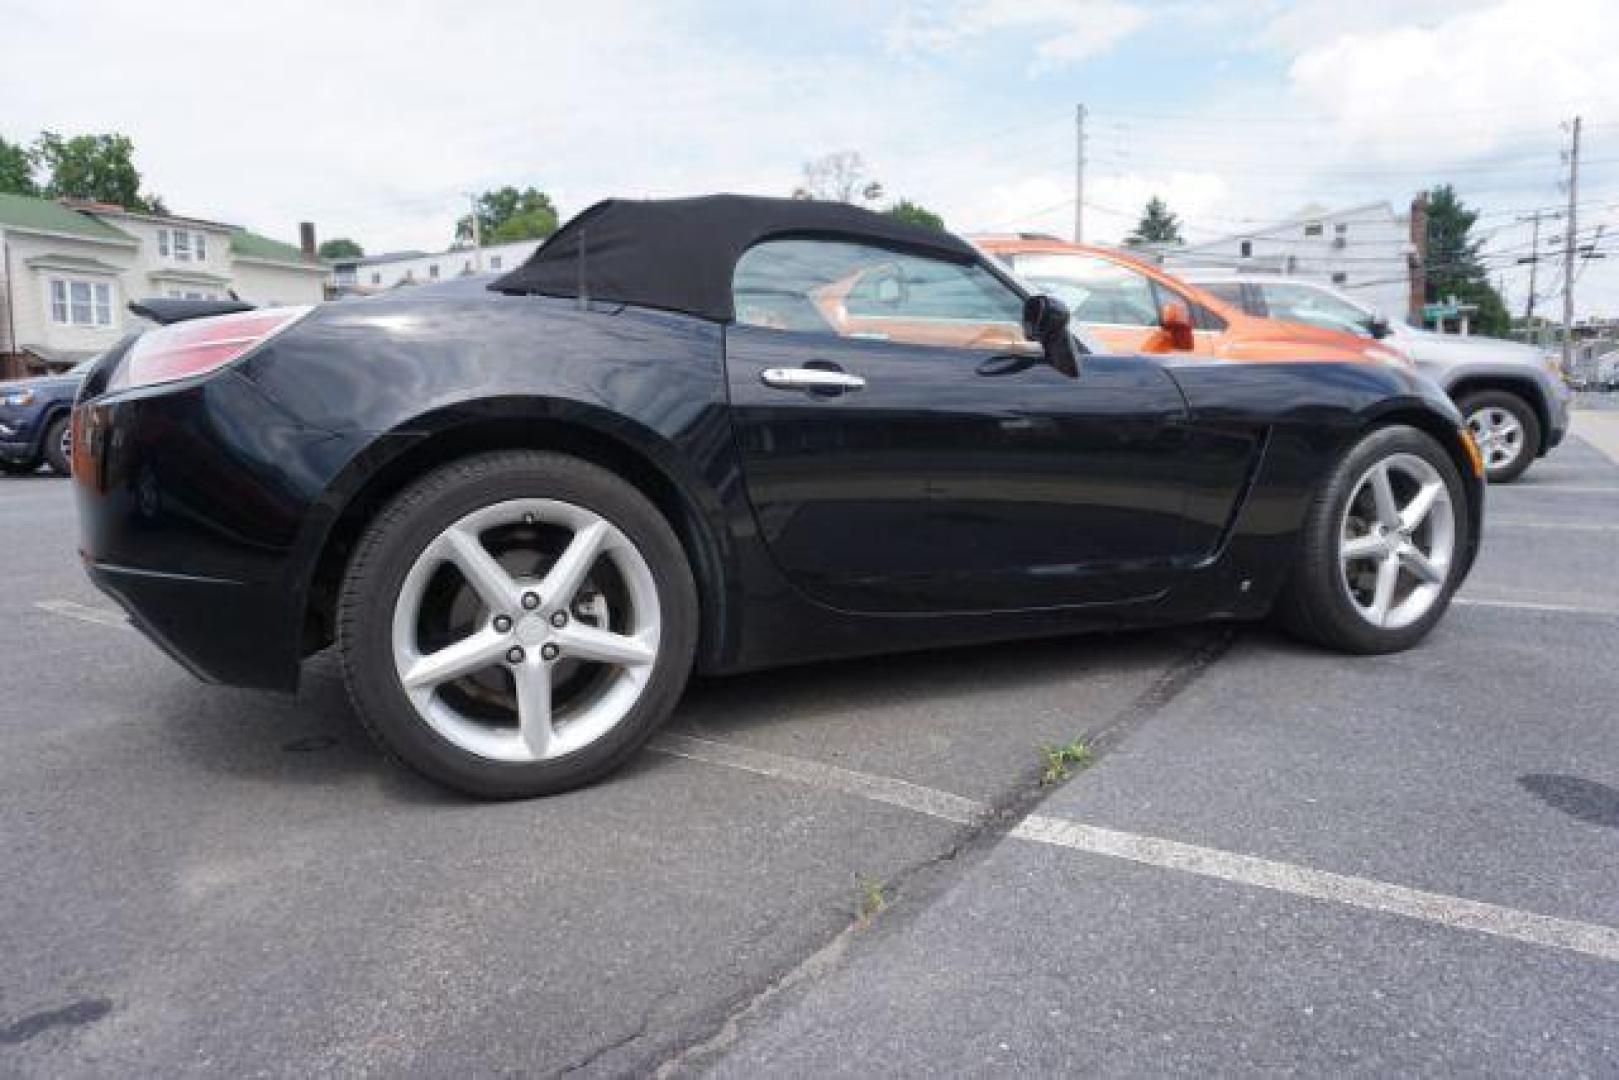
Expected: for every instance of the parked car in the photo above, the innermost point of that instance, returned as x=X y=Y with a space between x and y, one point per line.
x=1134 y=306
x=1514 y=396
x=723 y=434
x=34 y=426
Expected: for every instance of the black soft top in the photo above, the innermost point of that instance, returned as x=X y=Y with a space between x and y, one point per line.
x=679 y=254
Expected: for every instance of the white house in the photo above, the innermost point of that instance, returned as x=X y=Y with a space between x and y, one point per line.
x=1365 y=249
x=68 y=270
x=377 y=273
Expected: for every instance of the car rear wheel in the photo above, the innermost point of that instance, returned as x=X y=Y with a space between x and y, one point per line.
x=1382 y=547
x=517 y=624
x=1506 y=430
x=59 y=446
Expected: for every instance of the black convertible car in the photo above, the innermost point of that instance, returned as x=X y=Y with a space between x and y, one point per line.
x=727 y=433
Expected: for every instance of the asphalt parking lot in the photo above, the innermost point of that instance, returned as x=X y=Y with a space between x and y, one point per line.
x=1278 y=860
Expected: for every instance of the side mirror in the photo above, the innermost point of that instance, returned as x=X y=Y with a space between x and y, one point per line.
x=1045 y=320
x=1378 y=327
x=1177 y=322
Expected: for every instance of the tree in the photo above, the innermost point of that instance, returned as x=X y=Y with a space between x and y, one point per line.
x=1157 y=226
x=340 y=247
x=839 y=177
x=96 y=167
x=17 y=169
x=506 y=215
x=915 y=214
x=1453 y=267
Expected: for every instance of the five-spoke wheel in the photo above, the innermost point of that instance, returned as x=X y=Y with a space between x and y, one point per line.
x=517 y=623
x=1383 y=546
x=1506 y=430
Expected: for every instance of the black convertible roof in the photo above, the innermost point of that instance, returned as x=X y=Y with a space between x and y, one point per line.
x=679 y=254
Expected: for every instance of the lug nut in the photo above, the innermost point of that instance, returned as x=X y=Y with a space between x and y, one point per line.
x=559 y=619
x=549 y=652
x=514 y=655
x=531 y=600
x=503 y=623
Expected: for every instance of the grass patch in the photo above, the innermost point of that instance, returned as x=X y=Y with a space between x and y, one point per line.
x=1062 y=760
x=870 y=899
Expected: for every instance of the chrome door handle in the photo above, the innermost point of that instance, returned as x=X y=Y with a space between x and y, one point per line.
x=799 y=378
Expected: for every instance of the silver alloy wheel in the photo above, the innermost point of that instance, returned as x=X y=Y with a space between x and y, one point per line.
x=575 y=661
x=1396 y=541
x=64 y=442
x=1499 y=436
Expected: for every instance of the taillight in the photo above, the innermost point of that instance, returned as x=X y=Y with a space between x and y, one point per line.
x=185 y=349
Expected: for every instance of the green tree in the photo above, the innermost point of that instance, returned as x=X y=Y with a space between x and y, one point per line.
x=99 y=167
x=1453 y=267
x=915 y=214
x=1157 y=226
x=507 y=214
x=17 y=169
x=340 y=247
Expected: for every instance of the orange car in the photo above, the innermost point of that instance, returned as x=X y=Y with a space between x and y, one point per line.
x=1130 y=305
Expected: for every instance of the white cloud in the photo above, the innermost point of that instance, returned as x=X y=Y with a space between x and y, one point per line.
x=1068 y=31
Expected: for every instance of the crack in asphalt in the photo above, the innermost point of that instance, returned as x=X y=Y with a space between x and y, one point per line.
x=918 y=884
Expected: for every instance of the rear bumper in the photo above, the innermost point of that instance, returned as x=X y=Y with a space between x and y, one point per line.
x=204 y=624
x=189 y=517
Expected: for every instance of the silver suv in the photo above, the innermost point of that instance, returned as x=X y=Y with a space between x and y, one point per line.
x=1514 y=396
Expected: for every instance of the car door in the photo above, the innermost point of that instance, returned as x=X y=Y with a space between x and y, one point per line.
x=905 y=449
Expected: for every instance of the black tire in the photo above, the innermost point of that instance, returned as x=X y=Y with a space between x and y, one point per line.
x=56 y=455
x=1315 y=605
x=1521 y=411
x=396 y=537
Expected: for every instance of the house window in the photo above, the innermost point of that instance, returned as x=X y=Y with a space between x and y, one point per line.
x=1341 y=228
x=494 y=262
x=180 y=243
x=376 y=278
x=1247 y=249
x=202 y=247
x=163 y=242
x=432 y=270
x=1313 y=229
x=1340 y=278
x=81 y=303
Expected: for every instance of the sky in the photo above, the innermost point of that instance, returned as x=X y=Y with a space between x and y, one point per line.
x=374 y=119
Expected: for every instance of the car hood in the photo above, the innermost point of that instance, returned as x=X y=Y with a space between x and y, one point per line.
x=1427 y=345
x=41 y=382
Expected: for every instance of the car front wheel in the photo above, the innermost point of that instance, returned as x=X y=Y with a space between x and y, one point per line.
x=517 y=624
x=59 y=446
x=1506 y=430
x=1382 y=547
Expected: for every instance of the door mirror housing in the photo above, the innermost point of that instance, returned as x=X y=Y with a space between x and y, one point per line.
x=1045 y=320
x=1176 y=320
x=1378 y=327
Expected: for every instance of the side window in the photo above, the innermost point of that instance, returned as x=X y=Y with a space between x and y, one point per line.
x=1298 y=303
x=1097 y=291
x=1230 y=292
x=860 y=291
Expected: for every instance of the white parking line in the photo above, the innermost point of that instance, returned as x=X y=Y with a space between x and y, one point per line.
x=1455 y=912
x=1536 y=605
x=1591 y=939
x=1527 y=523
x=101 y=616
x=883 y=789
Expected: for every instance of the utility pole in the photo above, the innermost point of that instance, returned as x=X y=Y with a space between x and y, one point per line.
x=1569 y=235
x=477 y=234
x=1533 y=259
x=1079 y=174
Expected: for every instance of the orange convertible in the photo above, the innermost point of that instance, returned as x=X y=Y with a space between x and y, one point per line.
x=1133 y=306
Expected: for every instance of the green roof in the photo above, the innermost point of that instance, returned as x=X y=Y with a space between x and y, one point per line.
x=43 y=215
x=250 y=245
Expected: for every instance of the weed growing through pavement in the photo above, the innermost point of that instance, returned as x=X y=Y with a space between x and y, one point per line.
x=871 y=899
x=1061 y=760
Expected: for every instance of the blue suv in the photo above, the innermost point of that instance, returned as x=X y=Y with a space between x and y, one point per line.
x=34 y=420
